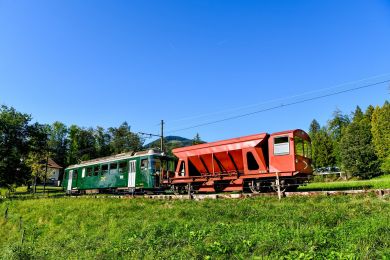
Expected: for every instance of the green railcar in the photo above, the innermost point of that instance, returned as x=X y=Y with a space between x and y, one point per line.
x=142 y=171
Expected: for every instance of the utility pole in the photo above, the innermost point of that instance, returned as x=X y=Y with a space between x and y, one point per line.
x=161 y=135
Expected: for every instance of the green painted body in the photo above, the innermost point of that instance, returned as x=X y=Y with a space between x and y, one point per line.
x=113 y=172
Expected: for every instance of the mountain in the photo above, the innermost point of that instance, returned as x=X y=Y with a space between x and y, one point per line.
x=170 y=143
x=170 y=140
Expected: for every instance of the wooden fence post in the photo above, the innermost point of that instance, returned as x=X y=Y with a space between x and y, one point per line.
x=278 y=186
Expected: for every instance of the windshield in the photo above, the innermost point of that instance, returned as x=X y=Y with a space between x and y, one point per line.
x=302 y=147
x=165 y=164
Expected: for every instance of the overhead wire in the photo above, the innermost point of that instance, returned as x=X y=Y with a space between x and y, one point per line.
x=278 y=99
x=278 y=106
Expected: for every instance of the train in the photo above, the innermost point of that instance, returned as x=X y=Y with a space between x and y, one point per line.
x=254 y=163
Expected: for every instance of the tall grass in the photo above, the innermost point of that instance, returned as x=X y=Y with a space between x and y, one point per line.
x=299 y=227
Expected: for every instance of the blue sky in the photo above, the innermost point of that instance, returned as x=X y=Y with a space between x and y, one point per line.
x=189 y=62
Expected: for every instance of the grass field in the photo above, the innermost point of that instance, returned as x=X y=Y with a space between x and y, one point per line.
x=22 y=192
x=337 y=227
x=381 y=182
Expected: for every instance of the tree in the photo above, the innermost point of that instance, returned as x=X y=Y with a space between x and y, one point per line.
x=73 y=150
x=357 y=152
x=87 y=148
x=322 y=149
x=38 y=152
x=380 y=129
x=36 y=162
x=322 y=146
x=314 y=127
x=58 y=142
x=335 y=127
x=357 y=115
x=103 y=139
x=197 y=140
x=14 y=132
x=337 y=123
x=123 y=140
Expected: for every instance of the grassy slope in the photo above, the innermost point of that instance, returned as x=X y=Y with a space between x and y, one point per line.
x=315 y=227
x=380 y=182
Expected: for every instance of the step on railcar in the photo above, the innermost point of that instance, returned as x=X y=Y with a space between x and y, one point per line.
x=245 y=163
x=141 y=172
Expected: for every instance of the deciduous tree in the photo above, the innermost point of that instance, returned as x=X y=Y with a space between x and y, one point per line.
x=14 y=131
x=380 y=129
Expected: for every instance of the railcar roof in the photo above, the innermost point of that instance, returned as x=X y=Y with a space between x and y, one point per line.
x=222 y=142
x=115 y=157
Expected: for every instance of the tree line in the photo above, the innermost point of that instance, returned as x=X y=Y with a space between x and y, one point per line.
x=359 y=144
x=26 y=146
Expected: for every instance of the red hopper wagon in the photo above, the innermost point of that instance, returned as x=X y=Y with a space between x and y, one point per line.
x=250 y=162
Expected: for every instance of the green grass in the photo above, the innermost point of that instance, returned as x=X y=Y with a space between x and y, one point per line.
x=337 y=227
x=21 y=192
x=381 y=182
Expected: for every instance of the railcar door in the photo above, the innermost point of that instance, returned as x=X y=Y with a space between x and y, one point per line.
x=132 y=173
x=70 y=177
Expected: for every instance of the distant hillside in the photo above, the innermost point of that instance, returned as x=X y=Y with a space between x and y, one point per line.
x=170 y=143
x=170 y=140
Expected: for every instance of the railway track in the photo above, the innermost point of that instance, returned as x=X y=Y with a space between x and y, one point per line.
x=378 y=192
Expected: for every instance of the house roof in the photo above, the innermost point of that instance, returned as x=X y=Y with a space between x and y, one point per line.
x=52 y=164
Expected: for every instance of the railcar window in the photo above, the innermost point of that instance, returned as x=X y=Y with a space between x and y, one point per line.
x=281 y=145
x=104 y=169
x=156 y=164
x=74 y=174
x=113 y=168
x=144 y=163
x=172 y=165
x=122 y=167
x=89 y=171
x=298 y=146
x=83 y=173
x=252 y=164
x=182 y=169
x=307 y=149
x=96 y=170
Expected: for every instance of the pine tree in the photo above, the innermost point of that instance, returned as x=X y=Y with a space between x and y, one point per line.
x=197 y=139
x=357 y=153
x=313 y=131
x=336 y=126
x=322 y=147
x=314 y=127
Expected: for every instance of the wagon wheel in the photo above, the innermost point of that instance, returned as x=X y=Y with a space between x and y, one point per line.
x=254 y=189
x=177 y=190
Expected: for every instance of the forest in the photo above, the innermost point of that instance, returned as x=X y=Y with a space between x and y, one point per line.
x=358 y=144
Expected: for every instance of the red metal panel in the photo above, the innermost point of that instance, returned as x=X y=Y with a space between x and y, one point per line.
x=290 y=162
x=227 y=156
x=220 y=146
x=226 y=165
x=281 y=163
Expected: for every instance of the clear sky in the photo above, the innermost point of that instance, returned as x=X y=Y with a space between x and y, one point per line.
x=90 y=62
